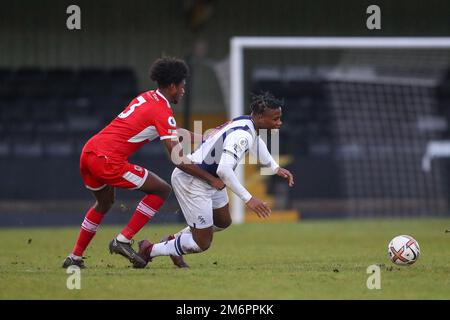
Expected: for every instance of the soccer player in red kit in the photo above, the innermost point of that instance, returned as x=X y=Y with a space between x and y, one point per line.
x=104 y=160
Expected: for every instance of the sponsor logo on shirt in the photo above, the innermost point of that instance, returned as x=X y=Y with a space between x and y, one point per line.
x=172 y=121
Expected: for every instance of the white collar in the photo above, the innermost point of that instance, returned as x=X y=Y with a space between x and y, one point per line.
x=162 y=96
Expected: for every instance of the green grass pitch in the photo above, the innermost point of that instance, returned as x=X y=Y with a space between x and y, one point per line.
x=306 y=260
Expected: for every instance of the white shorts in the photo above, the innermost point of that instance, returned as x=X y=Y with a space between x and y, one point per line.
x=197 y=199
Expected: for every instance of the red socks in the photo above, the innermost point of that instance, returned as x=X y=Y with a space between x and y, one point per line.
x=87 y=232
x=145 y=210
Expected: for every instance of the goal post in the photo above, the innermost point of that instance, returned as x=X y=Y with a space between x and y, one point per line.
x=237 y=61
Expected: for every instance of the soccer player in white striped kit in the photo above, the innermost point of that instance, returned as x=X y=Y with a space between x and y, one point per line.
x=205 y=208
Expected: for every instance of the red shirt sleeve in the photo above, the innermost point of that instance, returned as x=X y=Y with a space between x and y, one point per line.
x=166 y=126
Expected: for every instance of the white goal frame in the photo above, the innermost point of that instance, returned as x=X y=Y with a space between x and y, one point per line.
x=239 y=44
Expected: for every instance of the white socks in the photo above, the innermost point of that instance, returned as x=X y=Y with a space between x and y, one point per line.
x=188 y=230
x=185 y=230
x=182 y=244
x=121 y=238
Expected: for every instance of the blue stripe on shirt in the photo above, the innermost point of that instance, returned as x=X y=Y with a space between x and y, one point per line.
x=212 y=164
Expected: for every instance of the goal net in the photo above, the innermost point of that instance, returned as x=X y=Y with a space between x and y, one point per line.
x=359 y=114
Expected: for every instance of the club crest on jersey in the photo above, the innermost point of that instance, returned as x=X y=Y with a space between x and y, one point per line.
x=172 y=121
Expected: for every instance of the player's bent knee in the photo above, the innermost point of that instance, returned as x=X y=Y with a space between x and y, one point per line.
x=222 y=224
x=204 y=245
x=203 y=241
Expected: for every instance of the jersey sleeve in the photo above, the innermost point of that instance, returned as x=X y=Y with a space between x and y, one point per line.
x=259 y=151
x=166 y=126
x=237 y=144
x=234 y=148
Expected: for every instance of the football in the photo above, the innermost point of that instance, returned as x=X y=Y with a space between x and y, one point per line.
x=403 y=250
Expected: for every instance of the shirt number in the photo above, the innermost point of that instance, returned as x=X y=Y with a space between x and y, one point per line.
x=124 y=114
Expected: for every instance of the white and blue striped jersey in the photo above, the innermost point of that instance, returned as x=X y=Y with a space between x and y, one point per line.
x=234 y=138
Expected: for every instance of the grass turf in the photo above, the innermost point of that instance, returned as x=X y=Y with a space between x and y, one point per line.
x=307 y=260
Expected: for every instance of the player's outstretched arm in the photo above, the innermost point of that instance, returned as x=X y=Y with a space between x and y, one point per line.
x=259 y=207
x=226 y=173
x=286 y=174
x=175 y=151
x=260 y=150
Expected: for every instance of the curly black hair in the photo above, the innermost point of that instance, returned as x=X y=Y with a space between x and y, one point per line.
x=167 y=70
x=264 y=101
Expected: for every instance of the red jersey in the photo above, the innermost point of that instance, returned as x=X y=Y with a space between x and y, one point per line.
x=147 y=117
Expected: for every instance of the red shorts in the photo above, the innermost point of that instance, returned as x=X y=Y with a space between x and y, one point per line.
x=99 y=171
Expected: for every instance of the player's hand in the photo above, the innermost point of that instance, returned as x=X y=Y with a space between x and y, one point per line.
x=259 y=207
x=217 y=183
x=284 y=173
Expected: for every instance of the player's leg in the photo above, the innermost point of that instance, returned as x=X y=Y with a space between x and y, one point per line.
x=203 y=237
x=194 y=197
x=221 y=211
x=157 y=191
x=91 y=167
x=198 y=240
x=221 y=214
x=178 y=261
x=196 y=201
x=221 y=218
x=104 y=201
